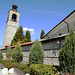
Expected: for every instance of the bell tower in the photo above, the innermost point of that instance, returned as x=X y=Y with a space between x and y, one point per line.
x=12 y=25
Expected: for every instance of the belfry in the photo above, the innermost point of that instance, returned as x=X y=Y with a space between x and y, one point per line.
x=12 y=25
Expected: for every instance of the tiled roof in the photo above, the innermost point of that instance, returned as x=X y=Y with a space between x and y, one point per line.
x=3 y=48
x=7 y=45
x=28 y=43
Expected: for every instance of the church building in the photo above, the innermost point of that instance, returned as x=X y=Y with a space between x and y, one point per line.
x=51 y=42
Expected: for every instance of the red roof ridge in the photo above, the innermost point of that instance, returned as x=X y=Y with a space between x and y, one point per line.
x=24 y=44
x=20 y=45
x=7 y=45
x=27 y=43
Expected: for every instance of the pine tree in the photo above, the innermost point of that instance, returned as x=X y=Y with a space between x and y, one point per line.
x=19 y=36
x=36 y=55
x=67 y=54
x=8 y=53
x=42 y=34
x=1 y=55
x=17 y=54
x=24 y=40
x=28 y=36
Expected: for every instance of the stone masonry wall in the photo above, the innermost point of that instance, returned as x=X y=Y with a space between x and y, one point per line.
x=51 y=51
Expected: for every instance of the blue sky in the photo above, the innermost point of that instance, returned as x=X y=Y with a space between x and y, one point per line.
x=36 y=14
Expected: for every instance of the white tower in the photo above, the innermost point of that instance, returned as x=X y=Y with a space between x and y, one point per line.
x=12 y=25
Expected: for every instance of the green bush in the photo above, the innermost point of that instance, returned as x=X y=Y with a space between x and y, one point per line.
x=11 y=64
x=36 y=55
x=57 y=67
x=7 y=63
x=17 y=54
x=8 y=53
x=1 y=55
x=67 y=54
x=24 y=68
x=39 y=69
x=0 y=60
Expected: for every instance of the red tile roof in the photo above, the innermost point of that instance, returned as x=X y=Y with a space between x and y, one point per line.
x=28 y=43
x=7 y=45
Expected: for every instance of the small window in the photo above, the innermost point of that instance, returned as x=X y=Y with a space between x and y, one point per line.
x=60 y=34
x=14 y=16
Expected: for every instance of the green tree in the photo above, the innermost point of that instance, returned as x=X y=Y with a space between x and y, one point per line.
x=36 y=55
x=28 y=36
x=1 y=55
x=8 y=53
x=42 y=34
x=67 y=54
x=24 y=40
x=17 y=54
x=19 y=36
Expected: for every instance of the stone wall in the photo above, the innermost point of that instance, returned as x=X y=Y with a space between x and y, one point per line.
x=51 y=51
x=49 y=58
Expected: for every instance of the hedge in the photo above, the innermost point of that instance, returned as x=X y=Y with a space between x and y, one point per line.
x=39 y=69
x=11 y=64
x=34 y=69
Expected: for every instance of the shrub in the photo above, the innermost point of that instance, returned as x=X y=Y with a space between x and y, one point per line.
x=8 y=53
x=57 y=67
x=1 y=55
x=17 y=54
x=39 y=69
x=67 y=54
x=24 y=68
x=36 y=55
x=11 y=64
x=7 y=63
x=0 y=60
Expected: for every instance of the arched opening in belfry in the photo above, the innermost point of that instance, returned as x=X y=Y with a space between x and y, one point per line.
x=14 y=16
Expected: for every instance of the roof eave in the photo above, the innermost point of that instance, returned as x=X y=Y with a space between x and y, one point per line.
x=59 y=23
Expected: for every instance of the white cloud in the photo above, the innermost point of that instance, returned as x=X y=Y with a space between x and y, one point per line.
x=45 y=11
x=31 y=30
x=32 y=33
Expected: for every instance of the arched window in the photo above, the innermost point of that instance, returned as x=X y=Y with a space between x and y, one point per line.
x=14 y=16
x=60 y=34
